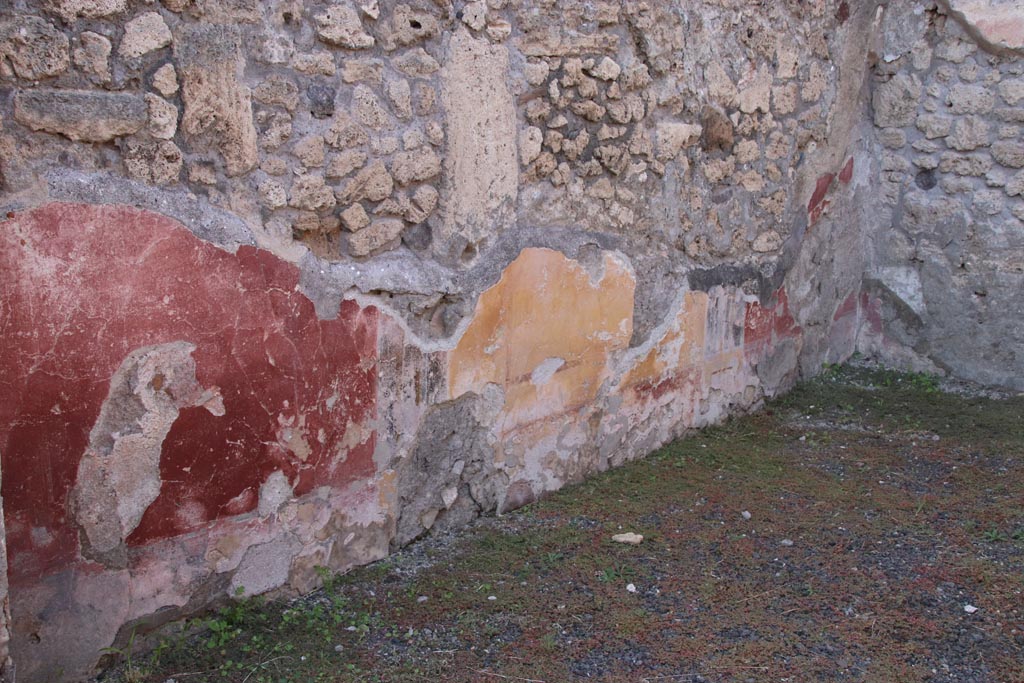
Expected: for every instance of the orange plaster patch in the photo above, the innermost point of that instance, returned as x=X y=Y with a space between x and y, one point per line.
x=544 y=333
x=681 y=349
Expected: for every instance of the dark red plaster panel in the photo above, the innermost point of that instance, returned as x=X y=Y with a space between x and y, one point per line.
x=82 y=286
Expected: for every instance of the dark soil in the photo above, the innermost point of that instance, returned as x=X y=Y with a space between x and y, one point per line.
x=883 y=508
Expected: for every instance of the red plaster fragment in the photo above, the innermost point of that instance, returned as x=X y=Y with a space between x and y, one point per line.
x=872 y=308
x=843 y=13
x=766 y=326
x=820 y=190
x=846 y=175
x=848 y=307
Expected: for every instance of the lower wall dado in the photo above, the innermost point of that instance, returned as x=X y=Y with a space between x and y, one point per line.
x=182 y=426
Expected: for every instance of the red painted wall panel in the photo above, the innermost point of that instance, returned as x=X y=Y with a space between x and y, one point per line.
x=82 y=286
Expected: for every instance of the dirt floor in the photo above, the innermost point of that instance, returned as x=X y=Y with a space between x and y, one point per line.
x=867 y=527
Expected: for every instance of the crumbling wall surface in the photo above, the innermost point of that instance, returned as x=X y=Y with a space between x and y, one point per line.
x=944 y=290
x=289 y=284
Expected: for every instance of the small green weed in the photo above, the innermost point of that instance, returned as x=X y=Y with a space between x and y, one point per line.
x=994 y=536
x=132 y=673
x=620 y=572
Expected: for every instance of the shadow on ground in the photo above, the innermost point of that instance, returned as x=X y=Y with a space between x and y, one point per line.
x=867 y=527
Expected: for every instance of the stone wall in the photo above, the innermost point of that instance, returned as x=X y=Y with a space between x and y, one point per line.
x=947 y=275
x=286 y=285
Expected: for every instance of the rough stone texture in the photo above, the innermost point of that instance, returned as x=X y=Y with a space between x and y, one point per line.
x=339 y=25
x=218 y=109
x=35 y=48
x=144 y=33
x=541 y=238
x=93 y=56
x=378 y=234
x=895 y=101
x=481 y=163
x=69 y=10
x=80 y=114
x=447 y=479
x=947 y=264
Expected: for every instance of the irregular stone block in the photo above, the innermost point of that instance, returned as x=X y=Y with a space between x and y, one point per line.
x=368 y=110
x=143 y=34
x=340 y=165
x=755 y=92
x=340 y=25
x=1015 y=186
x=672 y=137
x=34 y=46
x=92 y=56
x=895 y=101
x=965 y=164
x=410 y=26
x=373 y=183
x=970 y=99
x=717 y=133
x=480 y=162
x=354 y=218
x=311 y=193
x=150 y=161
x=272 y=194
x=380 y=234
x=69 y=10
x=278 y=90
x=416 y=63
x=400 y=95
x=474 y=15
x=606 y=69
x=1009 y=153
x=218 y=107
x=85 y=115
x=415 y=166
x=934 y=125
x=969 y=133
x=321 y=100
x=165 y=80
x=163 y=117
x=1012 y=90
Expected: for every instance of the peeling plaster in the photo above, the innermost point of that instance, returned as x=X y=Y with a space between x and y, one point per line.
x=120 y=471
